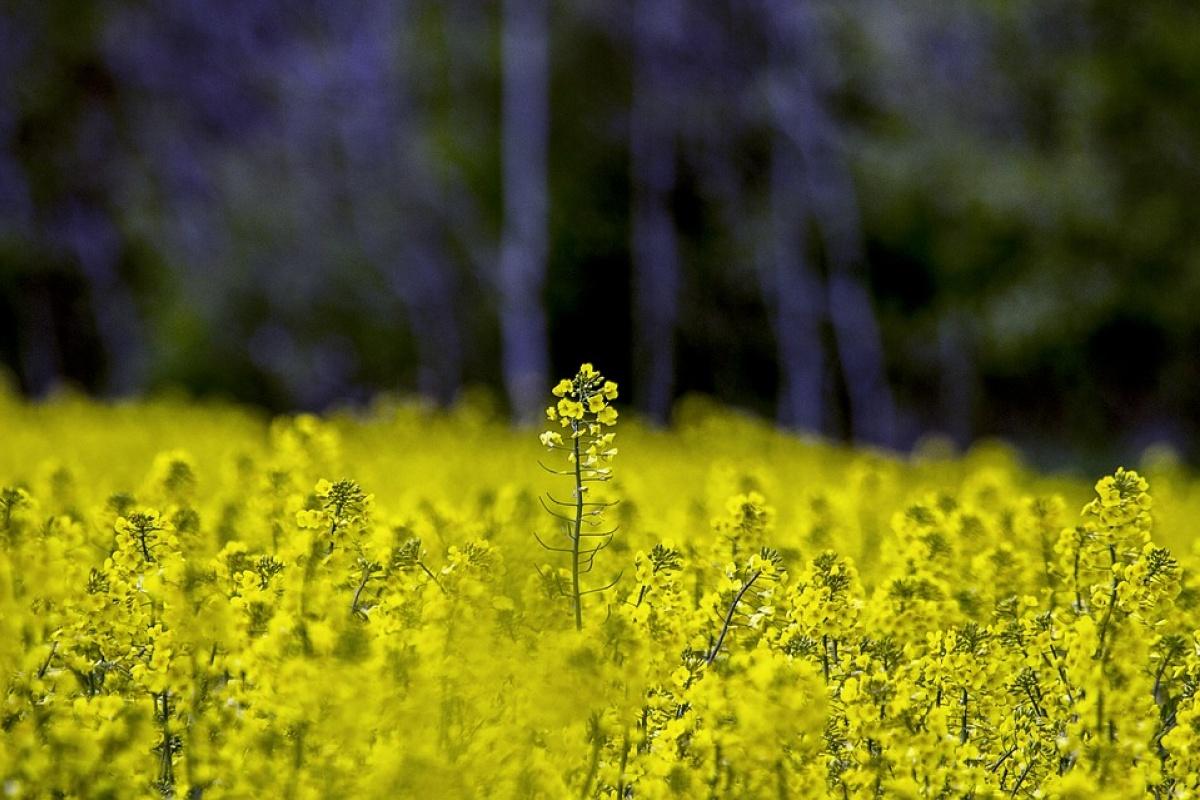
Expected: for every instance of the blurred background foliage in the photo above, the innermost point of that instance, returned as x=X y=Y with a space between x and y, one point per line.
x=871 y=220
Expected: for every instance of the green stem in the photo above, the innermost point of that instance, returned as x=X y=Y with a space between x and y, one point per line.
x=963 y=732
x=1079 y=607
x=41 y=673
x=624 y=763
x=1158 y=676
x=432 y=577
x=366 y=576
x=166 y=775
x=716 y=648
x=575 y=535
x=593 y=768
x=142 y=541
x=1112 y=601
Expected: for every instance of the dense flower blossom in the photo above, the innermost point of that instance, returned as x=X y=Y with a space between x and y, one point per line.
x=195 y=605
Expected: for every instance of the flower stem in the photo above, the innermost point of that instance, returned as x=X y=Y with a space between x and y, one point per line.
x=578 y=528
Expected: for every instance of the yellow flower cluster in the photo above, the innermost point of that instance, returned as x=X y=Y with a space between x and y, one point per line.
x=584 y=398
x=197 y=603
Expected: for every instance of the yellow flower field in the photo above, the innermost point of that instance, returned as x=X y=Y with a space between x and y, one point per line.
x=197 y=602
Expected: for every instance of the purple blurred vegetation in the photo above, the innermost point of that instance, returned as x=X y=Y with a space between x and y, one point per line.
x=871 y=220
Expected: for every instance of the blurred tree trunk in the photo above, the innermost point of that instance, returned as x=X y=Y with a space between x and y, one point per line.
x=792 y=287
x=91 y=240
x=657 y=30
x=794 y=297
x=523 y=251
x=799 y=110
x=65 y=212
x=16 y=205
x=41 y=366
x=37 y=344
x=395 y=203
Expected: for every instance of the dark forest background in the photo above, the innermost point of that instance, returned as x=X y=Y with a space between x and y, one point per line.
x=869 y=219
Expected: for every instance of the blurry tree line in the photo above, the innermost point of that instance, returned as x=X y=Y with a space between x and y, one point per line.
x=870 y=219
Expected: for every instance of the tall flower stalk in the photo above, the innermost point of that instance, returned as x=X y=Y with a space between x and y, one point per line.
x=583 y=411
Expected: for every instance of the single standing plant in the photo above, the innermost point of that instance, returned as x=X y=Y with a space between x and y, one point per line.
x=583 y=411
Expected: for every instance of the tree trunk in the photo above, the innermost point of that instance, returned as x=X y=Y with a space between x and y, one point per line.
x=797 y=105
x=41 y=366
x=793 y=288
x=523 y=251
x=37 y=343
x=94 y=243
x=393 y=197
x=657 y=26
x=794 y=296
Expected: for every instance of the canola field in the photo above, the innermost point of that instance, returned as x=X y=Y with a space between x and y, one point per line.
x=198 y=602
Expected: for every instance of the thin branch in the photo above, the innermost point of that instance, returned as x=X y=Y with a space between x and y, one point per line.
x=1021 y=779
x=600 y=503
x=46 y=665
x=556 y=580
x=716 y=648
x=354 y=609
x=601 y=533
x=552 y=512
x=591 y=556
x=597 y=548
x=606 y=586
x=432 y=577
x=1002 y=759
x=548 y=547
